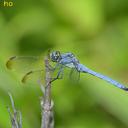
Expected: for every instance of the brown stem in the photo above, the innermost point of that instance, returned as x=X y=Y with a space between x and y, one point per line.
x=47 y=115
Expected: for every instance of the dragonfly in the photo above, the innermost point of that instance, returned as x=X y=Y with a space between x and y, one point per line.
x=69 y=60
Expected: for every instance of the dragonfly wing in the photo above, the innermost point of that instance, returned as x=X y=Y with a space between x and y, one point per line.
x=24 y=63
x=74 y=75
x=33 y=75
x=26 y=66
x=84 y=69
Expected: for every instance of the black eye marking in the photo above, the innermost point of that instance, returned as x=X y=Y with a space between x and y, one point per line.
x=57 y=55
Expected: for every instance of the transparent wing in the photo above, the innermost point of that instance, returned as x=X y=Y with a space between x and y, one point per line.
x=67 y=73
x=24 y=63
x=34 y=75
x=74 y=75
x=26 y=67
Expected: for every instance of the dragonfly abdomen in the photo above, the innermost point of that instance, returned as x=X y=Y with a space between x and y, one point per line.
x=84 y=69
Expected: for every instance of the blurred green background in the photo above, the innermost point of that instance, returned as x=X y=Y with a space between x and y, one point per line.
x=96 y=31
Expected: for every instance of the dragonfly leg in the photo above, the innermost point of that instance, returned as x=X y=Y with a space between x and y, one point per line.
x=79 y=76
x=56 y=66
x=50 y=67
x=59 y=75
x=53 y=68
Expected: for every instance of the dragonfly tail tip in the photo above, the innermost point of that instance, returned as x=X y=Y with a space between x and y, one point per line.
x=126 y=89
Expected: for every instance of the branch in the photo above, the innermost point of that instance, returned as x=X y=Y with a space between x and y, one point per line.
x=15 y=116
x=46 y=104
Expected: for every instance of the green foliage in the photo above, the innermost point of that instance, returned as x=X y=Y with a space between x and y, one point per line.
x=96 y=32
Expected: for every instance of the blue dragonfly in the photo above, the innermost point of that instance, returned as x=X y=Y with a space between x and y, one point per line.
x=66 y=60
x=69 y=60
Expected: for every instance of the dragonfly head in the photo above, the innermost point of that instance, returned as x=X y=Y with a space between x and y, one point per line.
x=55 y=56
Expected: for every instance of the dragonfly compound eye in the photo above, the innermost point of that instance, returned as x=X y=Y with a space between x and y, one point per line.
x=55 y=56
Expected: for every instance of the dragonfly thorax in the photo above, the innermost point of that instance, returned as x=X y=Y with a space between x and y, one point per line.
x=55 y=56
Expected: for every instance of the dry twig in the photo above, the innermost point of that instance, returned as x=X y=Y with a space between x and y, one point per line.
x=46 y=105
x=15 y=116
